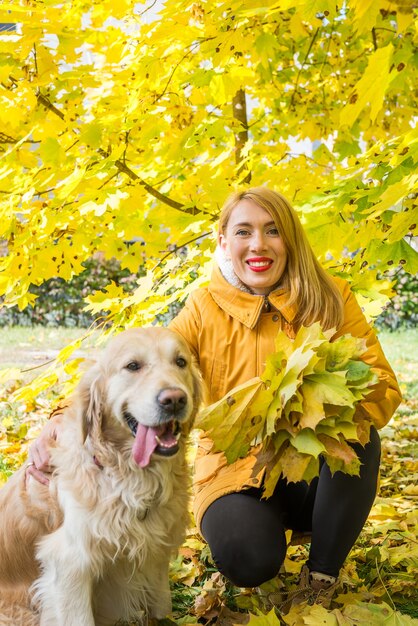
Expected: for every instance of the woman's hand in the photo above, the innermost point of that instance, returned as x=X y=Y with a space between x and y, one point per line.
x=39 y=452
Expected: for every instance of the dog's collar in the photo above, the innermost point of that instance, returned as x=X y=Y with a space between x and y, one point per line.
x=97 y=462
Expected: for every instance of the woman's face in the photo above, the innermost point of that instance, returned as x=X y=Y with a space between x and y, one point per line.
x=255 y=247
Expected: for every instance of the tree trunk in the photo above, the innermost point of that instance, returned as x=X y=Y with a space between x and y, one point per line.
x=239 y=108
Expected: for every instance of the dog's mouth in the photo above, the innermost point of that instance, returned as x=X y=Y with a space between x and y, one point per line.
x=162 y=440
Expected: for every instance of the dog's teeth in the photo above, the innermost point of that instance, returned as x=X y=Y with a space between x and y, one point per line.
x=161 y=443
x=166 y=445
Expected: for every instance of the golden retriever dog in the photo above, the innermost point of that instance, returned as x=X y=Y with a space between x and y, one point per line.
x=94 y=546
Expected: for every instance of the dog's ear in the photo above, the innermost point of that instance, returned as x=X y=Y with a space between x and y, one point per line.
x=90 y=394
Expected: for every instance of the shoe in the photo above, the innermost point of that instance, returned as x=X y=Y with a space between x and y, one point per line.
x=268 y=599
x=313 y=588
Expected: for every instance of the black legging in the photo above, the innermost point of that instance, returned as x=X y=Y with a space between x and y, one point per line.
x=246 y=534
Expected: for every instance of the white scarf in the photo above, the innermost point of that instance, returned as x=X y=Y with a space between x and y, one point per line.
x=227 y=270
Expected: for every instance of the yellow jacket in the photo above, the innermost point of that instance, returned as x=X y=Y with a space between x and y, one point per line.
x=231 y=333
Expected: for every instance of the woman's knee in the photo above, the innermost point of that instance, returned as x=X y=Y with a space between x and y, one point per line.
x=246 y=539
x=246 y=565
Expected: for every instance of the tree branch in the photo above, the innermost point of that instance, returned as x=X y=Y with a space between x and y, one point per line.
x=375 y=46
x=239 y=111
x=44 y=192
x=108 y=180
x=35 y=58
x=176 y=247
x=194 y=45
x=147 y=8
x=48 y=105
x=72 y=145
x=315 y=35
x=122 y=167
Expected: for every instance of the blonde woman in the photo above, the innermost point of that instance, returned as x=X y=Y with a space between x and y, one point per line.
x=266 y=277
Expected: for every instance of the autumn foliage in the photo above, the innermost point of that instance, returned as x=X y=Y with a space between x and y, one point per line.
x=125 y=125
x=301 y=407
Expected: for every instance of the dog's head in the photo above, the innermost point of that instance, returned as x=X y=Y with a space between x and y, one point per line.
x=143 y=392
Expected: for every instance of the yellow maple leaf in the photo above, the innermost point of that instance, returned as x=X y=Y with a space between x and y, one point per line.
x=371 y=88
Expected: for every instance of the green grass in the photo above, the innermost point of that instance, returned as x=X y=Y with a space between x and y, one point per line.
x=400 y=346
x=37 y=336
x=23 y=347
x=401 y=349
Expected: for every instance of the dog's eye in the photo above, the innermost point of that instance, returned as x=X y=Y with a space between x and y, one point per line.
x=181 y=362
x=134 y=366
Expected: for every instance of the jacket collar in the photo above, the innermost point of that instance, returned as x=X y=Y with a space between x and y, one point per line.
x=245 y=306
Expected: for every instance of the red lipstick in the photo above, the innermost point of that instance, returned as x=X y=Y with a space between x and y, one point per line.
x=259 y=263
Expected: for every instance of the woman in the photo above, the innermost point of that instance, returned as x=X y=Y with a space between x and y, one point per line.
x=267 y=278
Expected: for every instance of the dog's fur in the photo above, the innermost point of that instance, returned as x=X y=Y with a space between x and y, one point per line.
x=94 y=546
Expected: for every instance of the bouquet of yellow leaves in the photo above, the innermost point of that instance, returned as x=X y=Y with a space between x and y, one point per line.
x=302 y=406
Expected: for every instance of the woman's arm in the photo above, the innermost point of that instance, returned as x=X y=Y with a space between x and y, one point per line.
x=385 y=397
x=39 y=452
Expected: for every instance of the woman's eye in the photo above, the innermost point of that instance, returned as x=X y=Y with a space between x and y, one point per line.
x=242 y=232
x=181 y=362
x=134 y=366
x=273 y=231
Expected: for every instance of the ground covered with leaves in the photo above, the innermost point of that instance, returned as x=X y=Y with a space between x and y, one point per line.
x=381 y=574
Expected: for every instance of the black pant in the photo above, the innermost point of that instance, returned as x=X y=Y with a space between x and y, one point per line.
x=246 y=534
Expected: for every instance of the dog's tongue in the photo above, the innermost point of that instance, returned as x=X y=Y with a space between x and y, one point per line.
x=146 y=441
x=144 y=444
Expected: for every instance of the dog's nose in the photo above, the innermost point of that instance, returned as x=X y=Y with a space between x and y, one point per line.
x=172 y=400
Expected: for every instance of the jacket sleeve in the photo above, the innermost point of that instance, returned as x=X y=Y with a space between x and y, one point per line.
x=381 y=403
x=187 y=324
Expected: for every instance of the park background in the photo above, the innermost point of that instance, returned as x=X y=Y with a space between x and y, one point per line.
x=123 y=128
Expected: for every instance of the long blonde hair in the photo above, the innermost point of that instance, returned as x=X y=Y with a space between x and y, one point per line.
x=310 y=287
